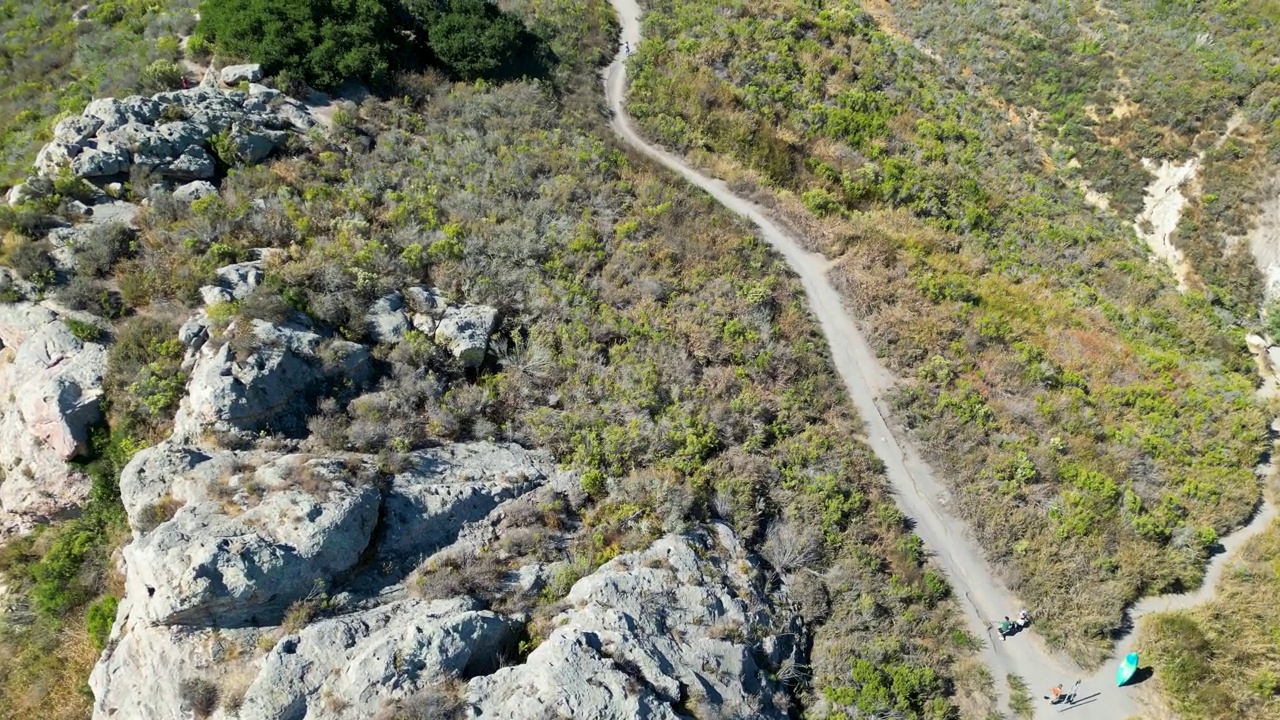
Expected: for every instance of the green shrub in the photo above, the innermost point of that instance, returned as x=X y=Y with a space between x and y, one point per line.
x=160 y=76
x=99 y=619
x=144 y=377
x=33 y=262
x=83 y=331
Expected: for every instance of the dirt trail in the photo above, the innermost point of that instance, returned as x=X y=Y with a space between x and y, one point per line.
x=919 y=492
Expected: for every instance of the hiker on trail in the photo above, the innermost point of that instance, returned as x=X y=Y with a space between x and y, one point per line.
x=626 y=48
x=1056 y=695
x=1005 y=626
x=1023 y=619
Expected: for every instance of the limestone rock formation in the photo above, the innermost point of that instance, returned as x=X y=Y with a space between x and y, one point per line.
x=679 y=625
x=53 y=386
x=255 y=531
x=346 y=667
x=268 y=388
x=206 y=567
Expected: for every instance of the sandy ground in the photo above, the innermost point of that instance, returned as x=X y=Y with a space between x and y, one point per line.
x=1161 y=211
x=1264 y=239
x=918 y=491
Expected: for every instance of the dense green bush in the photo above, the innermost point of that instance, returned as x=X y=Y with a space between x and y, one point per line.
x=473 y=38
x=327 y=41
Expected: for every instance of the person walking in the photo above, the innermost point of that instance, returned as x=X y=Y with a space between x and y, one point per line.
x=1004 y=626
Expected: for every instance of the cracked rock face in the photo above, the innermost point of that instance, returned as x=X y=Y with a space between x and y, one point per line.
x=206 y=567
x=257 y=531
x=679 y=626
x=52 y=385
x=241 y=396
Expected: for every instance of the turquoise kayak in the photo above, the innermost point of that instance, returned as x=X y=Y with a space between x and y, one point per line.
x=1125 y=672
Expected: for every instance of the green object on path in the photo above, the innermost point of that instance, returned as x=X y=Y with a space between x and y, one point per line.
x=1005 y=627
x=1125 y=672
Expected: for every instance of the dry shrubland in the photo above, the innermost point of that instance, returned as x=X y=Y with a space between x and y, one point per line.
x=1097 y=427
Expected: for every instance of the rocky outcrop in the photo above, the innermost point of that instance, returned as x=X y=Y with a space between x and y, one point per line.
x=465 y=331
x=52 y=383
x=345 y=667
x=255 y=531
x=172 y=133
x=684 y=625
x=207 y=567
x=268 y=382
x=447 y=489
x=377 y=656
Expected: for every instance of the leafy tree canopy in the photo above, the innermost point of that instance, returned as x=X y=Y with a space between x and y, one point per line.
x=326 y=41
x=473 y=38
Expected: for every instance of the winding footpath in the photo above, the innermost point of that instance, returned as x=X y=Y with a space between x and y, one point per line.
x=917 y=488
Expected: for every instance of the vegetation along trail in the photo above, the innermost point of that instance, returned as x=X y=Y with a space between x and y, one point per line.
x=919 y=491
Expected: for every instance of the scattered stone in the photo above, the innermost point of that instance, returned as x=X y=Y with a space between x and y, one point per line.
x=264 y=92
x=194 y=191
x=387 y=322
x=194 y=333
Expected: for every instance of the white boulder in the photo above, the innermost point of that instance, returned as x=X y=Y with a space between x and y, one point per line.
x=236 y=74
x=465 y=331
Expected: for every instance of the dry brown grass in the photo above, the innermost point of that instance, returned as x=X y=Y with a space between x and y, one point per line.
x=1221 y=660
x=49 y=682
